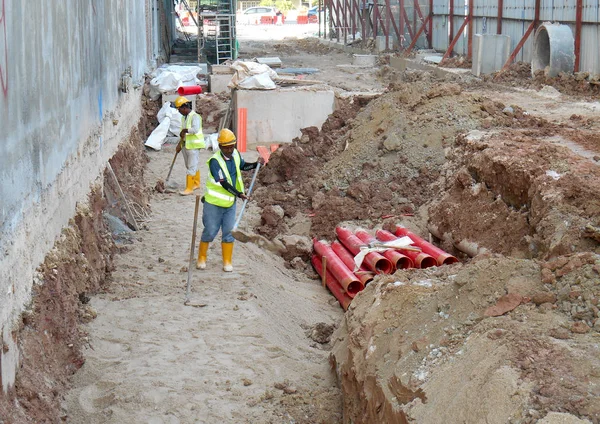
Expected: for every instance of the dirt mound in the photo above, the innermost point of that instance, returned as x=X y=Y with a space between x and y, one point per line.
x=289 y=179
x=78 y=266
x=517 y=74
x=150 y=108
x=581 y=84
x=526 y=198
x=457 y=62
x=212 y=107
x=423 y=347
x=375 y=158
x=50 y=339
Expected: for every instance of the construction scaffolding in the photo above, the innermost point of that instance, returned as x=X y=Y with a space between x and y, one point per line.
x=449 y=25
x=216 y=30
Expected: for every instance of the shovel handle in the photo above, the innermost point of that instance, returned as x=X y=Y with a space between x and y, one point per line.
x=191 y=262
x=239 y=218
x=171 y=168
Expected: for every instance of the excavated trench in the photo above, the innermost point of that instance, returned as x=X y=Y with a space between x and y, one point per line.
x=51 y=338
x=507 y=335
x=513 y=327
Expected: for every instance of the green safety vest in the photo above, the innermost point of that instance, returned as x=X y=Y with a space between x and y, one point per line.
x=215 y=193
x=192 y=141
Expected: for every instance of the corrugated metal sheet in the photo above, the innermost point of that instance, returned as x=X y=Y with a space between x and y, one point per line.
x=517 y=15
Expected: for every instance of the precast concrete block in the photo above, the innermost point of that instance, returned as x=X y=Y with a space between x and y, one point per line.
x=490 y=53
x=276 y=116
x=381 y=44
x=364 y=59
x=217 y=83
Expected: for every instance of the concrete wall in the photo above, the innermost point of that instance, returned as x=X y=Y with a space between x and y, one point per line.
x=276 y=116
x=62 y=117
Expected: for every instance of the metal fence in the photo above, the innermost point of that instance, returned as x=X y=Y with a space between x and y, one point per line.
x=449 y=25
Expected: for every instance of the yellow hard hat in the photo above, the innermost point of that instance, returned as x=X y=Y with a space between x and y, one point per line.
x=226 y=137
x=180 y=101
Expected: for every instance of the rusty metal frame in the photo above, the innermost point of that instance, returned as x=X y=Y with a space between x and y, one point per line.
x=500 y=14
x=390 y=19
x=408 y=27
x=470 y=30
x=451 y=22
x=519 y=46
x=418 y=34
x=578 y=25
x=430 y=24
x=466 y=22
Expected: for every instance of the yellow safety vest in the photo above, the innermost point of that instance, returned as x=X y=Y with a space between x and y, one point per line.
x=215 y=193
x=192 y=141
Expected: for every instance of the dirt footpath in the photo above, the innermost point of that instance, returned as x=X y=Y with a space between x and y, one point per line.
x=247 y=357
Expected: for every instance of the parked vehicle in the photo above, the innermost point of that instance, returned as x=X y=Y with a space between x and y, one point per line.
x=253 y=15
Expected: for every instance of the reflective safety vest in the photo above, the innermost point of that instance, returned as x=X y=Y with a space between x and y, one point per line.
x=215 y=193
x=192 y=141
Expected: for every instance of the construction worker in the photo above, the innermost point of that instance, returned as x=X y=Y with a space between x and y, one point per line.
x=192 y=140
x=223 y=186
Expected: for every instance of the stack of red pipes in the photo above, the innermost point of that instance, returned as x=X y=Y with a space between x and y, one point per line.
x=345 y=283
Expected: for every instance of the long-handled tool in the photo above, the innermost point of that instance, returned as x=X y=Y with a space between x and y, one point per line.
x=244 y=237
x=165 y=186
x=171 y=168
x=187 y=301
x=236 y=233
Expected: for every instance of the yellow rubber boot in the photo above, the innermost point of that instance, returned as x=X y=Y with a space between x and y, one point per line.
x=197 y=180
x=227 y=249
x=202 y=253
x=189 y=186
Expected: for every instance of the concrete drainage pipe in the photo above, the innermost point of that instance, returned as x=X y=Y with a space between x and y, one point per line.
x=553 y=50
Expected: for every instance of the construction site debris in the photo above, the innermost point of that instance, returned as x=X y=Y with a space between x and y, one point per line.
x=168 y=78
x=273 y=62
x=251 y=75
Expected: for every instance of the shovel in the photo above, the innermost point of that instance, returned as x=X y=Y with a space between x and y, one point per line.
x=171 y=168
x=244 y=237
x=187 y=301
x=163 y=187
x=235 y=232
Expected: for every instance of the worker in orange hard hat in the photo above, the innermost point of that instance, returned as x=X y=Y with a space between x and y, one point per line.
x=223 y=186
x=192 y=140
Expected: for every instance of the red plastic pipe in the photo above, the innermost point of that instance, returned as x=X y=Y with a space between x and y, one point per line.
x=420 y=259
x=190 y=89
x=346 y=278
x=242 y=127
x=373 y=260
x=332 y=284
x=362 y=274
x=442 y=258
x=399 y=260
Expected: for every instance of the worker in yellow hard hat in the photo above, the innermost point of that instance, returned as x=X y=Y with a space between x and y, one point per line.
x=192 y=140
x=223 y=186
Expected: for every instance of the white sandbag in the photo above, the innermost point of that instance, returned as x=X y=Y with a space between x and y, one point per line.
x=166 y=111
x=257 y=82
x=171 y=77
x=157 y=138
x=211 y=141
x=252 y=75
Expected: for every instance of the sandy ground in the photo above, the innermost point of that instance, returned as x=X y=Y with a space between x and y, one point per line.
x=152 y=359
x=251 y=354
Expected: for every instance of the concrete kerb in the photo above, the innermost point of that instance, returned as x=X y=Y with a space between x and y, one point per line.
x=402 y=64
x=343 y=47
x=399 y=63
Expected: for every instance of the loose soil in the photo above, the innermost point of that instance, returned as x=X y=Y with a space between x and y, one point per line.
x=507 y=336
